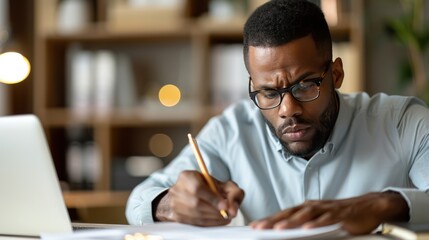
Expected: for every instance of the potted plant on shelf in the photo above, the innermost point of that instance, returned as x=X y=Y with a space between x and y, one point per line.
x=412 y=32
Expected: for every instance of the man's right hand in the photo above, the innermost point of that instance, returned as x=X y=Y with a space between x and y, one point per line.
x=191 y=201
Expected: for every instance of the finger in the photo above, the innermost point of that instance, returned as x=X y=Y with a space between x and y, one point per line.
x=204 y=222
x=194 y=184
x=233 y=209
x=197 y=212
x=200 y=219
x=300 y=217
x=234 y=196
x=193 y=202
x=192 y=205
x=191 y=197
x=325 y=219
x=268 y=223
x=214 y=197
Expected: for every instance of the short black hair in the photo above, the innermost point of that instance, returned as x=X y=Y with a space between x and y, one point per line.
x=278 y=22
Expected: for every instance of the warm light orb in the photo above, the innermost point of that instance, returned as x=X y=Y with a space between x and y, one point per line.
x=14 y=67
x=160 y=145
x=169 y=95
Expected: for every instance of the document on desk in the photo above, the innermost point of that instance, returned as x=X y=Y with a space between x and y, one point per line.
x=177 y=231
x=173 y=231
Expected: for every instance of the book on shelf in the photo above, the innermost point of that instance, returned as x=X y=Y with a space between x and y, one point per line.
x=83 y=159
x=3 y=99
x=408 y=231
x=125 y=87
x=105 y=77
x=99 y=81
x=83 y=164
x=229 y=75
x=80 y=81
x=141 y=14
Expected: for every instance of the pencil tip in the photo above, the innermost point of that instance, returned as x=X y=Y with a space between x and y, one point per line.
x=224 y=214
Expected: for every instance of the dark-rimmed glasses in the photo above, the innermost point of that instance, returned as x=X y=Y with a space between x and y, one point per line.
x=304 y=91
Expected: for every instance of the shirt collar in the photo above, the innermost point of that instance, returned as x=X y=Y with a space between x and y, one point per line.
x=341 y=126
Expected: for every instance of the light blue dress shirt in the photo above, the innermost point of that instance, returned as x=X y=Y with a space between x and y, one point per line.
x=378 y=143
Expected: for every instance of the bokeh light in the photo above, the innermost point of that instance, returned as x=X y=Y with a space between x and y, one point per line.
x=169 y=95
x=14 y=67
x=160 y=145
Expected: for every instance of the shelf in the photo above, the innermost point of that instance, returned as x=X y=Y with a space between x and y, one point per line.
x=90 y=199
x=99 y=33
x=61 y=117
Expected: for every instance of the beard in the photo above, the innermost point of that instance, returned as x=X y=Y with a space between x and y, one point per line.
x=323 y=129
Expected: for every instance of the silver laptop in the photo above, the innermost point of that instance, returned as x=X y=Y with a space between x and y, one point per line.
x=31 y=202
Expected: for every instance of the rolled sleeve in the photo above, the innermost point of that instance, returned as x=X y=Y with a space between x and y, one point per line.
x=139 y=208
x=139 y=205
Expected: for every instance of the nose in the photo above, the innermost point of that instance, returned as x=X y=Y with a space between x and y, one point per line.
x=289 y=107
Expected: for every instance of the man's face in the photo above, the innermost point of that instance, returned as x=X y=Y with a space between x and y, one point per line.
x=302 y=127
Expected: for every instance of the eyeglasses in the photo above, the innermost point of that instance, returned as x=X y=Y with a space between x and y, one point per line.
x=304 y=91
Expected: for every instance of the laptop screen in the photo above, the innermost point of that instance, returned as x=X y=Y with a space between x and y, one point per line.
x=31 y=202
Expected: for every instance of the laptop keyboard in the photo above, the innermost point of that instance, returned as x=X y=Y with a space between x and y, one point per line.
x=93 y=226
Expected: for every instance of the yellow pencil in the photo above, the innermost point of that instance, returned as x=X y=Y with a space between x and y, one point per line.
x=204 y=170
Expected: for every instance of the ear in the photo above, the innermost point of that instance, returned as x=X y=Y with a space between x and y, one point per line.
x=337 y=73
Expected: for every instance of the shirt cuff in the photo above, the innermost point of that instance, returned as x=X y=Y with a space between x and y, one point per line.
x=139 y=206
x=417 y=201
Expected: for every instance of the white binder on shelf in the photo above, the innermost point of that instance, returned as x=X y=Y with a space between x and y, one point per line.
x=81 y=81
x=229 y=75
x=105 y=77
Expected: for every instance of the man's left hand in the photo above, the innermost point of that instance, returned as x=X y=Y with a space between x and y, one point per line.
x=358 y=215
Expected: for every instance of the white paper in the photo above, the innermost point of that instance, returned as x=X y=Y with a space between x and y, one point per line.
x=177 y=231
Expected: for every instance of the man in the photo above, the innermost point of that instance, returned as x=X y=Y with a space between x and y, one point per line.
x=300 y=154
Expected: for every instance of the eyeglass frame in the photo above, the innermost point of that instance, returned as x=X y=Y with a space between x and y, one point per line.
x=282 y=91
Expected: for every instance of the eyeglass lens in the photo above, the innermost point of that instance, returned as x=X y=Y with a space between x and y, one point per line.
x=303 y=91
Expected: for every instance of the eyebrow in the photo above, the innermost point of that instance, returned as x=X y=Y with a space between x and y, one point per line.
x=299 y=79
